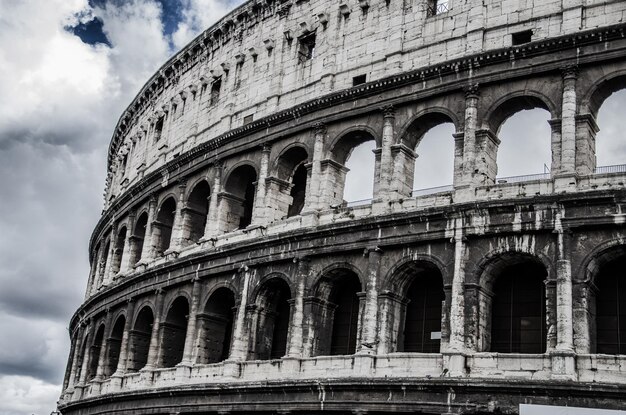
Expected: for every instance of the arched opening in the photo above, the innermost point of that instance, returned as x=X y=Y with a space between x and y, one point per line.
x=114 y=345
x=119 y=250
x=81 y=358
x=422 y=317
x=298 y=190
x=104 y=256
x=240 y=188
x=139 y=340
x=610 y=306
x=173 y=333
x=216 y=327
x=196 y=213
x=354 y=177
x=94 y=353
x=274 y=310
x=610 y=146
x=287 y=190
x=525 y=149
x=431 y=136
x=516 y=310
x=163 y=225
x=137 y=240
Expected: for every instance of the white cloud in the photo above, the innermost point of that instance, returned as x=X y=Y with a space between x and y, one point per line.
x=198 y=15
x=21 y=395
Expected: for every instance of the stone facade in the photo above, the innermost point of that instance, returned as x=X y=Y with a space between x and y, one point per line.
x=229 y=275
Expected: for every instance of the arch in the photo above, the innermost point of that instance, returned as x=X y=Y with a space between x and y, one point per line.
x=412 y=132
x=348 y=139
x=606 y=298
x=216 y=326
x=196 y=212
x=289 y=191
x=104 y=260
x=336 y=310
x=162 y=227
x=240 y=188
x=174 y=332
x=273 y=311
x=601 y=90
x=114 y=345
x=138 y=238
x=94 y=353
x=514 y=102
x=139 y=339
x=118 y=252
x=420 y=313
x=83 y=355
x=512 y=304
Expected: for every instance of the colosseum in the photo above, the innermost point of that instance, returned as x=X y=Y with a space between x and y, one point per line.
x=229 y=275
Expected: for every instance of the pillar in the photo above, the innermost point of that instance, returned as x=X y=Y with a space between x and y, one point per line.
x=459 y=142
x=259 y=216
x=563 y=357
x=108 y=268
x=104 y=347
x=454 y=360
x=123 y=359
x=369 y=337
x=568 y=122
x=470 y=144
x=212 y=224
x=190 y=338
x=177 y=227
x=77 y=345
x=586 y=130
x=314 y=183
x=85 y=362
x=125 y=264
x=148 y=252
x=555 y=127
x=153 y=349
x=239 y=347
x=294 y=349
x=385 y=172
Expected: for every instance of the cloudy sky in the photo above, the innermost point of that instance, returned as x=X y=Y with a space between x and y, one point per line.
x=68 y=68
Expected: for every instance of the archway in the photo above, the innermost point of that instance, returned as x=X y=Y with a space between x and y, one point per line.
x=114 y=345
x=139 y=339
x=216 y=327
x=354 y=177
x=240 y=188
x=137 y=240
x=610 y=146
x=94 y=353
x=273 y=316
x=196 y=213
x=163 y=225
x=173 y=333
x=287 y=191
x=118 y=253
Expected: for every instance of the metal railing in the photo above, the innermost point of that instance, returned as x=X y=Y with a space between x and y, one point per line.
x=432 y=190
x=615 y=168
x=524 y=178
x=356 y=203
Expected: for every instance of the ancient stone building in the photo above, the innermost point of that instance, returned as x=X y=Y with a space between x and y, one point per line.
x=228 y=275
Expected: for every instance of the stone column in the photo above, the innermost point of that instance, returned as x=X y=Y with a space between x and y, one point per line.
x=148 y=252
x=125 y=264
x=190 y=338
x=455 y=360
x=459 y=142
x=385 y=173
x=177 y=227
x=212 y=229
x=85 y=362
x=108 y=268
x=104 y=346
x=563 y=357
x=128 y=324
x=586 y=130
x=153 y=349
x=239 y=347
x=369 y=337
x=555 y=127
x=568 y=122
x=259 y=216
x=312 y=201
x=77 y=345
x=294 y=348
x=470 y=144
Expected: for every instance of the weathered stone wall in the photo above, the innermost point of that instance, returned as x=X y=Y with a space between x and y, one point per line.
x=245 y=270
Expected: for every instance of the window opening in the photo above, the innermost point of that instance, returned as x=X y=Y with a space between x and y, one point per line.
x=215 y=91
x=422 y=327
x=174 y=332
x=436 y=7
x=248 y=119
x=345 y=321
x=306 y=49
x=611 y=309
x=358 y=80
x=520 y=38
x=298 y=191
x=158 y=129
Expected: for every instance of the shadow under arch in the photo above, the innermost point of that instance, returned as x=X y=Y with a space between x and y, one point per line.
x=512 y=303
x=215 y=325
